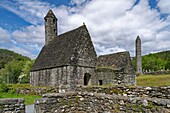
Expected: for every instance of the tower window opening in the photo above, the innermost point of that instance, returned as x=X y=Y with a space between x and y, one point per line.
x=45 y=20
x=53 y=20
x=54 y=30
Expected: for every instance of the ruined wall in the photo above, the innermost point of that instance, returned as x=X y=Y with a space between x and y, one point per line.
x=111 y=76
x=116 y=68
x=89 y=102
x=66 y=75
x=12 y=105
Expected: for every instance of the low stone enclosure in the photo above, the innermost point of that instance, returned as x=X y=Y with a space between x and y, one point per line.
x=95 y=99
x=106 y=100
x=12 y=105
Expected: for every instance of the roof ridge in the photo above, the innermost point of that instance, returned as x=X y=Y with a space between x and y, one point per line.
x=115 y=53
x=78 y=28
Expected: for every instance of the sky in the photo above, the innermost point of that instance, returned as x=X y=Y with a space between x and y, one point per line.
x=113 y=24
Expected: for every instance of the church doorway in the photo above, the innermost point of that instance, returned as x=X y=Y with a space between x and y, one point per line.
x=87 y=77
x=100 y=82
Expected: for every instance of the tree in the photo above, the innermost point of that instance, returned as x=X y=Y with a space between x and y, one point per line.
x=25 y=74
x=12 y=71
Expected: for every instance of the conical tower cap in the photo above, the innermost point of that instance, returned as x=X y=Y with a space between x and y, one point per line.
x=50 y=14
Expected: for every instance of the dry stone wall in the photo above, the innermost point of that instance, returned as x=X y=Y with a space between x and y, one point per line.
x=12 y=105
x=89 y=102
x=138 y=91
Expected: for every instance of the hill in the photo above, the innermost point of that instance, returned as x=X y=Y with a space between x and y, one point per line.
x=155 y=61
x=7 y=56
x=14 y=67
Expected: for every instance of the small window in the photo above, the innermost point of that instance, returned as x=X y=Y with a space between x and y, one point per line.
x=53 y=20
x=45 y=20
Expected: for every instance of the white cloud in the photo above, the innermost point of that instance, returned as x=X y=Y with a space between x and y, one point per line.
x=112 y=24
x=31 y=35
x=4 y=36
x=164 y=6
x=23 y=52
x=102 y=50
x=77 y=2
x=31 y=11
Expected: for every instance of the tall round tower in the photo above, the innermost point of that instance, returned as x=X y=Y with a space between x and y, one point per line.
x=138 y=56
x=50 y=27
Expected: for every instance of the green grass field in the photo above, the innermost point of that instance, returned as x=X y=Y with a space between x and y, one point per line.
x=153 y=80
x=29 y=99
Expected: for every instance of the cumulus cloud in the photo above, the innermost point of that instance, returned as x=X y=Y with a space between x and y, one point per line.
x=164 y=6
x=31 y=35
x=23 y=52
x=31 y=11
x=4 y=36
x=113 y=24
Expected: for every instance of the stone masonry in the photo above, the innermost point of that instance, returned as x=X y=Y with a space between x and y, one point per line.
x=138 y=56
x=12 y=105
x=106 y=100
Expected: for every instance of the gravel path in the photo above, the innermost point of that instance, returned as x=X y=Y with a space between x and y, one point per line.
x=30 y=108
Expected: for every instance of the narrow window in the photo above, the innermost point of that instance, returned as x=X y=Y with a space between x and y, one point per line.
x=45 y=20
x=53 y=20
x=54 y=30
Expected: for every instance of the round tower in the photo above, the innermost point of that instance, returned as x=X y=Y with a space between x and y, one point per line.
x=138 y=56
x=50 y=27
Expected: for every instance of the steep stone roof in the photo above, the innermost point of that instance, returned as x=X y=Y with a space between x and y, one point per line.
x=116 y=61
x=60 y=51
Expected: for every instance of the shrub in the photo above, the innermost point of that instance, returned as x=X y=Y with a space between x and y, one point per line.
x=4 y=88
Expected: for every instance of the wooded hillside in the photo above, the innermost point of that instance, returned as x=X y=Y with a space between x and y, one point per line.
x=155 y=61
x=14 y=67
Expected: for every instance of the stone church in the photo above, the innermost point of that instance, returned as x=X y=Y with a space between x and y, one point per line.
x=70 y=59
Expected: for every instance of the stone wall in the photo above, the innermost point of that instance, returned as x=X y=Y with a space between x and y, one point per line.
x=152 y=92
x=115 y=68
x=89 y=102
x=138 y=91
x=111 y=76
x=67 y=75
x=12 y=105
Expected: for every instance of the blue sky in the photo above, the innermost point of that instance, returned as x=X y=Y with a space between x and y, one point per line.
x=112 y=24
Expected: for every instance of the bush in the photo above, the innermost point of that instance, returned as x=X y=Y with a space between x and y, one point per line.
x=4 y=88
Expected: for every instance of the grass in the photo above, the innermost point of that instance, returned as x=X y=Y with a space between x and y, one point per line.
x=9 y=91
x=29 y=99
x=153 y=80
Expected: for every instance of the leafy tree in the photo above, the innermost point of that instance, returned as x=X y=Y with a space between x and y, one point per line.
x=12 y=66
x=12 y=71
x=25 y=74
x=155 y=61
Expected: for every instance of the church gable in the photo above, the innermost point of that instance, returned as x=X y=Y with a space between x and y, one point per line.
x=116 y=61
x=65 y=48
x=86 y=55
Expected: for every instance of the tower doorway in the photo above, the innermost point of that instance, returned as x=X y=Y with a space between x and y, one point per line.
x=87 y=77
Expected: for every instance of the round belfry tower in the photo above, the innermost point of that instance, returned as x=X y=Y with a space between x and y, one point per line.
x=50 y=27
x=138 y=56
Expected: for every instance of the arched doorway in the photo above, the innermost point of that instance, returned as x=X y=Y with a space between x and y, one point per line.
x=100 y=82
x=87 y=77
